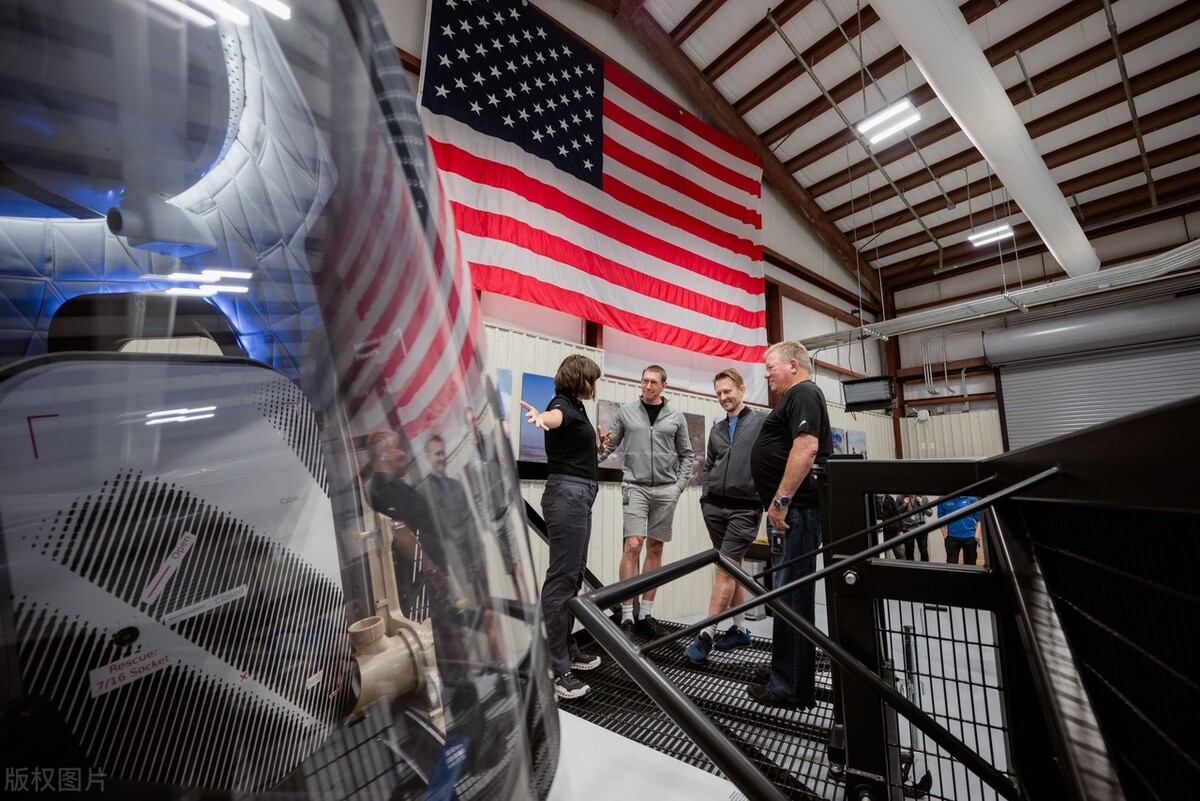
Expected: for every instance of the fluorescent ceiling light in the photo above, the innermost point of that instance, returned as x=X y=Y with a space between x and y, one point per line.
x=192 y=291
x=234 y=15
x=187 y=12
x=205 y=291
x=990 y=235
x=193 y=277
x=885 y=123
x=180 y=419
x=990 y=240
x=216 y=274
x=899 y=126
x=177 y=412
x=281 y=10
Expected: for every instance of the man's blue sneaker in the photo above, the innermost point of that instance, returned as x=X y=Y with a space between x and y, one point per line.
x=732 y=638
x=701 y=645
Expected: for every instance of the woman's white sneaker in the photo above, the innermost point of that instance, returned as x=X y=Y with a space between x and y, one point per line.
x=569 y=686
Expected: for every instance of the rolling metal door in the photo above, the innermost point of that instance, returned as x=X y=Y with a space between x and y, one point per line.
x=1046 y=398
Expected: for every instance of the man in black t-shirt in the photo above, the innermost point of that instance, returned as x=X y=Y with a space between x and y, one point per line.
x=794 y=436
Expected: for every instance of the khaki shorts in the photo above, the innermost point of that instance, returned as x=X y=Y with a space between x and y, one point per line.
x=649 y=511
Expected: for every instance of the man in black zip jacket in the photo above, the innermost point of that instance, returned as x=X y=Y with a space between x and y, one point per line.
x=731 y=507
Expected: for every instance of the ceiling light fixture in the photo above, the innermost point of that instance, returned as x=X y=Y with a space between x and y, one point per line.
x=187 y=12
x=990 y=235
x=281 y=10
x=192 y=291
x=902 y=109
x=193 y=277
x=218 y=274
x=234 y=15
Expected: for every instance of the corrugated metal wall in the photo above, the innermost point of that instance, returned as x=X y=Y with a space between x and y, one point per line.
x=951 y=436
x=881 y=444
x=521 y=352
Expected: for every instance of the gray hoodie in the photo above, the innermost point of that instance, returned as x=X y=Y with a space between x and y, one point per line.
x=656 y=455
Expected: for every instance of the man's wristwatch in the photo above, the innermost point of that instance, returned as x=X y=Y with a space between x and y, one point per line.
x=781 y=502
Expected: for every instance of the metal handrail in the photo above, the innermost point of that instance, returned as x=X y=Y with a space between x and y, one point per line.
x=727 y=757
x=861 y=556
x=877 y=526
x=688 y=717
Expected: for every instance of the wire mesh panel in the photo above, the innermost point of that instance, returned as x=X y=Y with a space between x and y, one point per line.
x=946 y=660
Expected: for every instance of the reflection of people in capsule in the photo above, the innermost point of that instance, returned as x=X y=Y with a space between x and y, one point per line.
x=485 y=475
x=417 y=542
x=448 y=499
x=414 y=544
x=437 y=538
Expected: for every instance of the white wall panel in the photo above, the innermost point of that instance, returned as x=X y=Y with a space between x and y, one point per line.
x=878 y=428
x=974 y=434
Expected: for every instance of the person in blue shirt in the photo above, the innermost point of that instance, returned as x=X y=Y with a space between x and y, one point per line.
x=960 y=535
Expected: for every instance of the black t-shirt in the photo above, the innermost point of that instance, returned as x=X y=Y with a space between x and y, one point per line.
x=652 y=410
x=801 y=410
x=571 y=448
x=392 y=496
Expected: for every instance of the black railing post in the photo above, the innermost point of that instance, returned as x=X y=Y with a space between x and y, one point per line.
x=732 y=762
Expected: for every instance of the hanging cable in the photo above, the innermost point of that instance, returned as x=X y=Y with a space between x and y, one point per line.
x=849 y=125
x=864 y=68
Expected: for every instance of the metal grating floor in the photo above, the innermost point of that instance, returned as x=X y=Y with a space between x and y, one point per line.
x=788 y=745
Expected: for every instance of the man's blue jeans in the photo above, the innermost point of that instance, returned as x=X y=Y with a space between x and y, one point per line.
x=793 y=656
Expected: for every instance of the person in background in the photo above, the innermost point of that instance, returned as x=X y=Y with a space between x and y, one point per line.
x=909 y=503
x=795 y=435
x=731 y=508
x=446 y=496
x=571 y=486
x=962 y=535
x=658 y=464
x=886 y=508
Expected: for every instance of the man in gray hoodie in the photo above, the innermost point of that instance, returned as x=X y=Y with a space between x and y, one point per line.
x=658 y=463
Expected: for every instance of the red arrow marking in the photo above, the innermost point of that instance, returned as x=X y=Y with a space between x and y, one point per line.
x=29 y=422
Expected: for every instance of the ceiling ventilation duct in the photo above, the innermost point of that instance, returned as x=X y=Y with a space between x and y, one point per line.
x=1180 y=260
x=1081 y=333
x=935 y=34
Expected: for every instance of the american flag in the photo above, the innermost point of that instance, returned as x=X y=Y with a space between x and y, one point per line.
x=401 y=315
x=574 y=186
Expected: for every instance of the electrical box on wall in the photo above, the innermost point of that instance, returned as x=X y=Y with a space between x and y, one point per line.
x=876 y=392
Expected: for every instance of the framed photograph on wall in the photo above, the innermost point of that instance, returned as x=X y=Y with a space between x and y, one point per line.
x=536 y=390
x=856 y=442
x=839 y=440
x=504 y=398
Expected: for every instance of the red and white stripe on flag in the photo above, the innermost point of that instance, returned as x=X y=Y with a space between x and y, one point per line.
x=398 y=300
x=626 y=211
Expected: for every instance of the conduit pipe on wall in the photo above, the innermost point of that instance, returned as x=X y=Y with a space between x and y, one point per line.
x=1111 y=328
x=935 y=34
